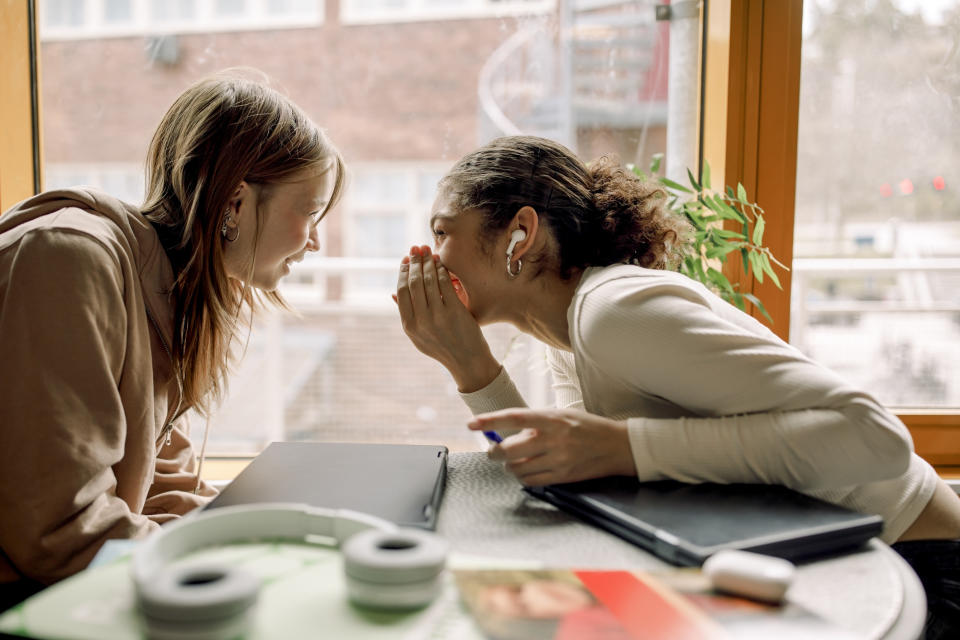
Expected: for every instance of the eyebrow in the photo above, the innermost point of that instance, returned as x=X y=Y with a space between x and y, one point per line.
x=439 y=216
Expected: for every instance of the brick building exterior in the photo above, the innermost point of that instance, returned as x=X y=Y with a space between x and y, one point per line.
x=399 y=97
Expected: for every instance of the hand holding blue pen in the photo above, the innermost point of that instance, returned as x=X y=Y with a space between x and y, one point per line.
x=493 y=436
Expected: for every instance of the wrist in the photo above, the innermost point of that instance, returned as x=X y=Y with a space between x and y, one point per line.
x=621 y=457
x=474 y=376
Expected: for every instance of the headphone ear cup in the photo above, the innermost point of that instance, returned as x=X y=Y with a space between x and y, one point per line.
x=208 y=600
x=394 y=570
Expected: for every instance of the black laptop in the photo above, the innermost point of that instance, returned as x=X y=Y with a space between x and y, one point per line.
x=402 y=483
x=685 y=524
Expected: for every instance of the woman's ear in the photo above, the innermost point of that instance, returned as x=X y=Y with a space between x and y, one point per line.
x=238 y=199
x=528 y=221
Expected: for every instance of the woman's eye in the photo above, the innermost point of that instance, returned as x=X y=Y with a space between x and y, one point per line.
x=437 y=233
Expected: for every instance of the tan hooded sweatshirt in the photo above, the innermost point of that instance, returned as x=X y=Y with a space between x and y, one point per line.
x=87 y=389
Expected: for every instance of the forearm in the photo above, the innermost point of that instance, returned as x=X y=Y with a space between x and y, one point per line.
x=807 y=449
x=474 y=372
x=52 y=543
x=499 y=393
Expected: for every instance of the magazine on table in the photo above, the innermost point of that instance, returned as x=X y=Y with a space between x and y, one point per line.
x=562 y=604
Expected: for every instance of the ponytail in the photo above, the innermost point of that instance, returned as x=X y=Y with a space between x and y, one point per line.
x=634 y=224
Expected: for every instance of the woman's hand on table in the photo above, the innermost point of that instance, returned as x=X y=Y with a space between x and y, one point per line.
x=558 y=445
x=439 y=325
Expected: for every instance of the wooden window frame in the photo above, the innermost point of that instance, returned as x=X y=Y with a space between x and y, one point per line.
x=750 y=115
x=20 y=165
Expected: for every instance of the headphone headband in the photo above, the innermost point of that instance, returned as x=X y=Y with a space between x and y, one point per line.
x=247 y=522
x=386 y=566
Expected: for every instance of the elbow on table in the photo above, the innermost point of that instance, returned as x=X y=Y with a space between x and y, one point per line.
x=855 y=462
x=894 y=460
x=892 y=449
x=882 y=459
x=885 y=446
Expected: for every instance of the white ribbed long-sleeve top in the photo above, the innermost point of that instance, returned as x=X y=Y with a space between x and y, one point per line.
x=711 y=395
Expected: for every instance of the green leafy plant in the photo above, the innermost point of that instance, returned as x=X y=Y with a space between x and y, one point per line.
x=706 y=210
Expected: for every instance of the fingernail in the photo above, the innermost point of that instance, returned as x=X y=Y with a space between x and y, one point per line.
x=436 y=259
x=415 y=251
x=405 y=260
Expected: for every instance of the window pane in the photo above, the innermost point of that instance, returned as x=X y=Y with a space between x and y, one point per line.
x=877 y=272
x=292 y=7
x=117 y=11
x=63 y=13
x=228 y=8
x=171 y=10
x=403 y=101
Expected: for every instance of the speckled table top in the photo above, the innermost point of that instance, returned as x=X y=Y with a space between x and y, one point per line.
x=485 y=513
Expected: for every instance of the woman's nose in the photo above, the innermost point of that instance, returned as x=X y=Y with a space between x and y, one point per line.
x=313 y=240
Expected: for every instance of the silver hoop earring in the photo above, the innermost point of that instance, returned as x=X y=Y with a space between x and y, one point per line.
x=229 y=234
x=519 y=267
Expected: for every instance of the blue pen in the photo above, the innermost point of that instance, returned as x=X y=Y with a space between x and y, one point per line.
x=493 y=436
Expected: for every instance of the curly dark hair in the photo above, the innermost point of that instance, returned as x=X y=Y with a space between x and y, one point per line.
x=600 y=214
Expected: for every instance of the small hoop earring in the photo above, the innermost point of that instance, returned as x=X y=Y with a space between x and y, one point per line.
x=519 y=267
x=229 y=234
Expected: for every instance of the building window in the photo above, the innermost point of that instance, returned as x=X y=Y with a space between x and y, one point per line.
x=230 y=8
x=85 y=19
x=64 y=13
x=117 y=11
x=373 y=11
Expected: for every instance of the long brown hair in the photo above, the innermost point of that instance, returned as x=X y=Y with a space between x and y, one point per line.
x=599 y=213
x=221 y=131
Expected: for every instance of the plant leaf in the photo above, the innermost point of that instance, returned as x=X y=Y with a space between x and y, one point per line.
x=759 y=305
x=768 y=269
x=655 y=160
x=742 y=194
x=755 y=266
x=720 y=280
x=693 y=181
x=728 y=212
x=676 y=186
x=758 y=230
x=729 y=234
x=705 y=175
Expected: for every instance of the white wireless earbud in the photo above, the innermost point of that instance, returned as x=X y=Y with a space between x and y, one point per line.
x=517 y=236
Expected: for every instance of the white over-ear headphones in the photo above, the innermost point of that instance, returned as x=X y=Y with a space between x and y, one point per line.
x=519 y=235
x=386 y=566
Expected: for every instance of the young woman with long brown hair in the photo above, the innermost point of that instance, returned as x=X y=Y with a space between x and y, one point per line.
x=116 y=319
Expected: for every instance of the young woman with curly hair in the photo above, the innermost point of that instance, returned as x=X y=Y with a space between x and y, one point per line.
x=654 y=376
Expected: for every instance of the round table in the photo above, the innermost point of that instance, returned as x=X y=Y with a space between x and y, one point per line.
x=872 y=592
